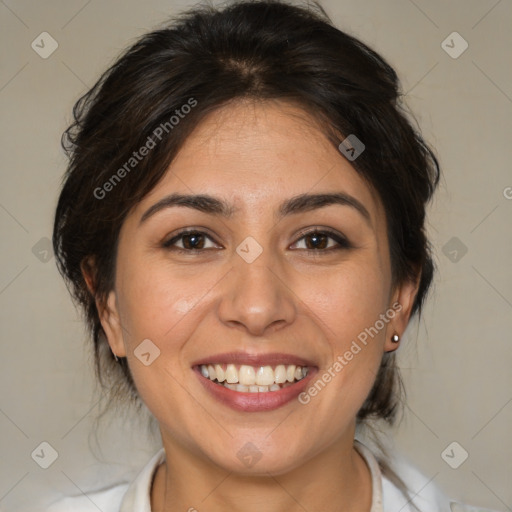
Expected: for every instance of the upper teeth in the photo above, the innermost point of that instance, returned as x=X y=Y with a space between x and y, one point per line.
x=250 y=375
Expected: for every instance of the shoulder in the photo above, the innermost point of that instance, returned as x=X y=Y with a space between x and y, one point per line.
x=106 y=500
x=424 y=493
x=126 y=496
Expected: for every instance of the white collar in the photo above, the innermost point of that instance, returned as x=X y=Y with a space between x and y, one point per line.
x=138 y=494
x=373 y=465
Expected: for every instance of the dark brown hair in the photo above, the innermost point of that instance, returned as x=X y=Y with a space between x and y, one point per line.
x=206 y=58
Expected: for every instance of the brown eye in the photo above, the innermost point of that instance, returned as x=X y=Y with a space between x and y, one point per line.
x=317 y=241
x=322 y=241
x=190 y=241
x=193 y=241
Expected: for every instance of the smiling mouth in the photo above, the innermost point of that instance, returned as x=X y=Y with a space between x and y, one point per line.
x=253 y=379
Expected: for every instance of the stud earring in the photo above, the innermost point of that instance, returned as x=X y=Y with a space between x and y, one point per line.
x=395 y=338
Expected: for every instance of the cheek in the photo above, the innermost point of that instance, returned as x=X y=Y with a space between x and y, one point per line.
x=158 y=305
x=154 y=301
x=345 y=304
x=348 y=304
x=348 y=301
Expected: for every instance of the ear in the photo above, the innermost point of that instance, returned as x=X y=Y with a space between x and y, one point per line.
x=402 y=302
x=107 y=310
x=88 y=268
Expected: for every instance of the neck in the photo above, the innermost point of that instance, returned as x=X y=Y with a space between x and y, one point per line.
x=337 y=480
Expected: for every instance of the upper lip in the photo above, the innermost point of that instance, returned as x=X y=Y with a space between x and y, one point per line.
x=270 y=359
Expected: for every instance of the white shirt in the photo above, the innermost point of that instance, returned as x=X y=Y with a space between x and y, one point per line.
x=386 y=497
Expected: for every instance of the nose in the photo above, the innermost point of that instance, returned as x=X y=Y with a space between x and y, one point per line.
x=256 y=297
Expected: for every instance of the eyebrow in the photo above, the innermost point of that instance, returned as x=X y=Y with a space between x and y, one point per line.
x=297 y=204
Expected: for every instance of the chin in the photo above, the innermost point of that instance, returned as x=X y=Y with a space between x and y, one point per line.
x=253 y=456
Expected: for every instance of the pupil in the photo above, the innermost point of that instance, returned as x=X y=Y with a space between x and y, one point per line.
x=192 y=241
x=318 y=241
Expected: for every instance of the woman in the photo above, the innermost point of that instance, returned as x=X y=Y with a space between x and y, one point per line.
x=242 y=221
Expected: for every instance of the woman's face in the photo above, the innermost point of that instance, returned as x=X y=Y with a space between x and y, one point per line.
x=287 y=265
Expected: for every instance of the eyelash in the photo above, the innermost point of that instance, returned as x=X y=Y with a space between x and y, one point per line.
x=342 y=242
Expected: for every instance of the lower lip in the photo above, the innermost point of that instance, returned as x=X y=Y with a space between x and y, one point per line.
x=255 y=402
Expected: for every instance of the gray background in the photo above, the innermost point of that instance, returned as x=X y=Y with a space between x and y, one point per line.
x=456 y=360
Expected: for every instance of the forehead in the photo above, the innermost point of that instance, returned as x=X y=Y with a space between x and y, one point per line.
x=255 y=154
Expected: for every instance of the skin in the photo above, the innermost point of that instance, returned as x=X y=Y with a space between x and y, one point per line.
x=309 y=303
